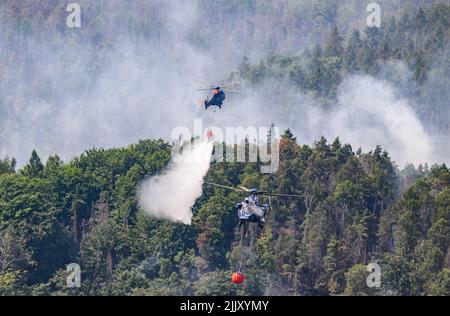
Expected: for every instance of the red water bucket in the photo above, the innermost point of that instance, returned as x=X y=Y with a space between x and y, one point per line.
x=237 y=278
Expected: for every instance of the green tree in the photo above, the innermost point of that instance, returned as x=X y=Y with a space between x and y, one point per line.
x=356 y=281
x=34 y=168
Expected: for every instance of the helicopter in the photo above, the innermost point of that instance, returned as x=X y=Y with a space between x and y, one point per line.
x=218 y=93
x=249 y=210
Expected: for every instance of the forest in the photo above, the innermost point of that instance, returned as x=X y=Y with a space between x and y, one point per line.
x=358 y=206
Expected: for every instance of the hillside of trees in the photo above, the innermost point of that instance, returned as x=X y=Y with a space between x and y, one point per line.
x=420 y=41
x=51 y=72
x=357 y=208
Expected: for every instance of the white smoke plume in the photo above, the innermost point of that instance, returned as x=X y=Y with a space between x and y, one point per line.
x=172 y=194
x=369 y=113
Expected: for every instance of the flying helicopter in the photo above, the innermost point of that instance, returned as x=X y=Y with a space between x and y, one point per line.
x=218 y=93
x=249 y=210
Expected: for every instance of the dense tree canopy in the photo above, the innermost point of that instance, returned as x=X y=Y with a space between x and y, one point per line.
x=352 y=213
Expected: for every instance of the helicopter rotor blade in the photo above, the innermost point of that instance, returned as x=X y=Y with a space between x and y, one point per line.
x=244 y=189
x=229 y=84
x=224 y=186
x=232 y=82
x=270 y=194
x=260 y=193
x=204 y=83
x=231 y=91
x=280 y=195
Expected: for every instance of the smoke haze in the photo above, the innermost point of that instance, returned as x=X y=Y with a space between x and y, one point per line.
x=61 y=94
x=172 y=194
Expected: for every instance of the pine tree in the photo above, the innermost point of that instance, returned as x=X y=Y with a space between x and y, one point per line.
x=351 y=62
x=7 y=165
x=34 y=167
x=334 y=45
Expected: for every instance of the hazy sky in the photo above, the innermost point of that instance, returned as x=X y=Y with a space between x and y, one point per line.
x=61 y=94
